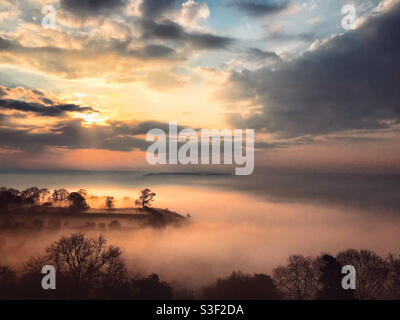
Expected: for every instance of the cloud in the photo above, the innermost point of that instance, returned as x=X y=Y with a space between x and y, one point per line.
x=27 y=95
x=169 y=30
x=164 y=30
x=259 y=8
x=5 y=44
x=191 y=12
x=260 y=56
x=209 y=41
x=142 y=128
x=153 y=52
x=40 y=109
x=70 y=134
x=98 y=59
x=85 y=8
x=73 y=134
x=3 y=92
x=154 y=8
x=278 y=33
x=350 y=82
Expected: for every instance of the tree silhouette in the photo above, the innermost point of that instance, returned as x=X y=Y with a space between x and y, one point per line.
x=151 y=288
x=31 y=195
x=9 y=198
x=110 y=203
x=83 y=193
x=60 y=195
x=372 y=271
x=240 y=286
x=330 y=280
x=393 y=279
x=85 y=260
x=8 y=282
x=77 y=201
x=145 y=198
x=298 y=280
x=44 y=193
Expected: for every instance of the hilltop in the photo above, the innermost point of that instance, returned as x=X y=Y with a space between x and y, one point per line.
x=41 y=217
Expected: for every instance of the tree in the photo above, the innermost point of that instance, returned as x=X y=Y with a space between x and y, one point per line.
x=239 y=286
x=13 y=192
x=298 y=280
x=86 y=260
x=110 y=203
x=43 y=193
x=371 y=272
x=8 y=283
x=9 y=198
x=393 y=280
x=83 y=193
x=31 y=195
x=151 y=288
x=77 y=201
x=330 y=280
x=145 y=198
x=60 y=195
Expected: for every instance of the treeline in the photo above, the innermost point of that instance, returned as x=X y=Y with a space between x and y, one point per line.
x=13 y=198
x=87 y=268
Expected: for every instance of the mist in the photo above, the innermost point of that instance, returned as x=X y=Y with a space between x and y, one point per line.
x=227 y=231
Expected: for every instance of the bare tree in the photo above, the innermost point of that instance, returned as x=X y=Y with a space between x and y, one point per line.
x=371 y=272
x=393 y=280
x=44 y=193
x=145 y=198
x=297 y=280
x=86 y=259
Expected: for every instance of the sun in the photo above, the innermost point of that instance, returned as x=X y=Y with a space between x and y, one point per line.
x=91 y=118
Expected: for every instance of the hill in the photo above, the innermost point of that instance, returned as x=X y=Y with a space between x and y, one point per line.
x=40 y=217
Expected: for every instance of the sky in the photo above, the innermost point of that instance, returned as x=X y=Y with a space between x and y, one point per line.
x=83 y=95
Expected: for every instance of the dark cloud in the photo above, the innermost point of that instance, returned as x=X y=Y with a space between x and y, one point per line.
x=350 y=82
x=85 y=8
x=209 y=41
x=142 y=127
x=70 y=134
x=154 y=8
x=259 y=8
x=5 y=44
x=47 y=101
x=3 y=92
x=115 y=136
x=42 y=110
x=153 y=52
x=168 y=30
x=261 y=56
x=164 y=30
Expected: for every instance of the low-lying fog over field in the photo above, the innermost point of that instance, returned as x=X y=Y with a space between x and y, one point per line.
x=227 y=229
